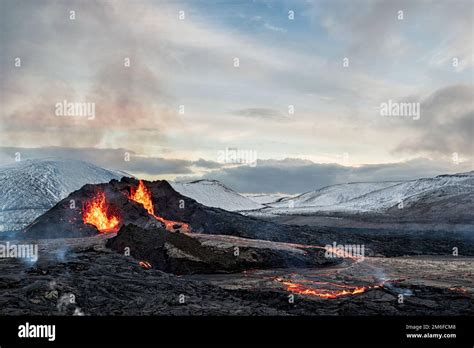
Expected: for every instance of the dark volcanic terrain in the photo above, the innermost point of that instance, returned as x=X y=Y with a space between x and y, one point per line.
x=181 y=253
x=83 y=277
x=224 y=263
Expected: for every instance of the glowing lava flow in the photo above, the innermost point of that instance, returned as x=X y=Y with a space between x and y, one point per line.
x=95 y=213
x=143 y=196
x=324 y=293
x=145 y=264
x=459 y=290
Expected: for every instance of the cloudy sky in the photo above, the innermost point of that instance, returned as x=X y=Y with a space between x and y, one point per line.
x=296 y=84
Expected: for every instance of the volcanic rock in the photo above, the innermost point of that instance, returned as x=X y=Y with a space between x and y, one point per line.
x=105 y=282
x=65 y=219
x=181 y=253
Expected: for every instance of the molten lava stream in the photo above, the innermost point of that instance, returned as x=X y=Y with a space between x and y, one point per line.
x=324 y=293
x=96 y=213
x=145 y=264
x=143 y=196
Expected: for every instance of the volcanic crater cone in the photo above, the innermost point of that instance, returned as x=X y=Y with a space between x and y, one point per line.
x=105 y=208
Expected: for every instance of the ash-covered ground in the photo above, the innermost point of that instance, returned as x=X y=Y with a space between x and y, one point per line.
x=81 y=276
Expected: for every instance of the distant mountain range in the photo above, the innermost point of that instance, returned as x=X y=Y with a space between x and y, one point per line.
x=442 y=197
x=29 y=188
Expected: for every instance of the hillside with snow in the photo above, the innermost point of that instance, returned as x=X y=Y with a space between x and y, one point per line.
x=212 y=193
x=31 y=187
x=444 y=194
x=266 y=198
x=331 y=195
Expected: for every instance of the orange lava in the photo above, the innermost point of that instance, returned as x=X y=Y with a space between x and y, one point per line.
x=459 y=290
x=324 y=293
x=142 y=195
x=145 y=264
x=96 y=213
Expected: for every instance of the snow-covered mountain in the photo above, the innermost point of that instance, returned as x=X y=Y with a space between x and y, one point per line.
x=266 y=198
x=411 y=191
x=381 y=196
x=214 y=194
x=29 y=188
x=332 y=195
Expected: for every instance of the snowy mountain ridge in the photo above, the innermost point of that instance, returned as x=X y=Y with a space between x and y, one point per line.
x=213 y=193
x=29 y=188
x=375 y=196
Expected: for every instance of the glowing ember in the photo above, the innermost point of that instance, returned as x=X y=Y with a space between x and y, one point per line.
x=143 y=196
x=344 y=290
x=459 y=290
x=145 y=264
x=96 y=213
